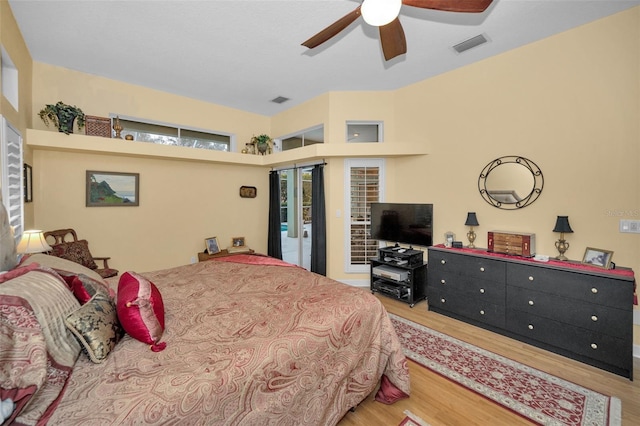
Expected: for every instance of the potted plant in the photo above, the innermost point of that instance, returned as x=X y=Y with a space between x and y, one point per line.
x=262 y=143
x=63 y=116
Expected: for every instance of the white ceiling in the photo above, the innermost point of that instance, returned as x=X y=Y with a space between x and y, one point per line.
x=244 y=53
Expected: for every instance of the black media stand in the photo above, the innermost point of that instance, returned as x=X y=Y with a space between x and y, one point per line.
x=400 y=274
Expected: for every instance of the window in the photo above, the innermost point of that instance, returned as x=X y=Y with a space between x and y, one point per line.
x=9 y=79
x=12 y=190
x=364 y=131
x=364 y=180
x=307 y=137
x=165 y=134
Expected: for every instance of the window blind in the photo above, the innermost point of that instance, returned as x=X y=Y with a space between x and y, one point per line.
x=364 y=189
x=12 y=189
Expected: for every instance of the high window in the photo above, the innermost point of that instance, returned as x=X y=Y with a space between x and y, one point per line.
x=307 y=137
x=166 y=134
x=364 y=131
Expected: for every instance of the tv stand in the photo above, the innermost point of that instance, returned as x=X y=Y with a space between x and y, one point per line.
x=402 y=276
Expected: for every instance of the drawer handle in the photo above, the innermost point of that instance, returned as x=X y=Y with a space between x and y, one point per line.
x=594 y=346
x=594 y=290
x=443 y=300
x=481 y=312
x=442 y=281
x=530 y=326
x=443 y=261
x=482 y=290
x=530 y=278
x=594 y=318
x=530 y=302
x=481 y=269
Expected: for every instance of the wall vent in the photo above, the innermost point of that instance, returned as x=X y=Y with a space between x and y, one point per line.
x=280 y=100
x=470 y=43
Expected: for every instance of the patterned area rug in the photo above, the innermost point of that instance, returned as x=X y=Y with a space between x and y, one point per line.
x=412 y=420
x=536 y=395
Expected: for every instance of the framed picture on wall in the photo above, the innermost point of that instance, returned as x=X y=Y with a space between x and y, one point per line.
x=27 y=175
x=112 y=189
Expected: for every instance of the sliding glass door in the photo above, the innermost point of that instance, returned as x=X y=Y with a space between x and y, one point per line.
x=295 y=215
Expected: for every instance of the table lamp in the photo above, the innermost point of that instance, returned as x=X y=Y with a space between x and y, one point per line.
x=33 y=242
x=562 y=226
x=472 y=221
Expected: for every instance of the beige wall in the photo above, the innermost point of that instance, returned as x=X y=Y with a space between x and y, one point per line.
x=12 y=42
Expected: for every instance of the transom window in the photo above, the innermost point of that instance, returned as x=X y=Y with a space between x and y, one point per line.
x=166 y=134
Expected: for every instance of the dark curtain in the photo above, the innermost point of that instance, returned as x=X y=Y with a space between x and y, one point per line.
x=318 y=222
x=275 y=235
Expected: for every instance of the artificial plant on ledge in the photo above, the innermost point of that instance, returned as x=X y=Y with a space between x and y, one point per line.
x=63 y=116
x=262 y=143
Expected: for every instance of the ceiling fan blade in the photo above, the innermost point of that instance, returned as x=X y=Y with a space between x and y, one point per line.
x=392 y=38
x=469 y=6
x=333 y=29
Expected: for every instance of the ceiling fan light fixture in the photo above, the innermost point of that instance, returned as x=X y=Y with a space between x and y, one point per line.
x=380 y=12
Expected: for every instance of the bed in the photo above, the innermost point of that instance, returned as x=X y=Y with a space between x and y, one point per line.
x=241 y=340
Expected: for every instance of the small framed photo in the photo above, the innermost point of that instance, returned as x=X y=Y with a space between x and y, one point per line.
x=237 y=242
x=212 y=245
x=597 y=257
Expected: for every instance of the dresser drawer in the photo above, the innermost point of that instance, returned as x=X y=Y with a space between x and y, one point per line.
x=590 y=288
x=603 y=348
x=598 y=318
x=492 y=291
x=479 y=309
x=469 y=266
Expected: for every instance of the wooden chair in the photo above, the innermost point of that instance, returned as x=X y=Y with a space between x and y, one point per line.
x=77 y=251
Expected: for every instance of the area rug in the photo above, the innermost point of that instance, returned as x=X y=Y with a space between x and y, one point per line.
x=534 y=394
x=412 y=420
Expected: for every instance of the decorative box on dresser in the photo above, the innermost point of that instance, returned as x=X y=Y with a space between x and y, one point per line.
x=575 y=310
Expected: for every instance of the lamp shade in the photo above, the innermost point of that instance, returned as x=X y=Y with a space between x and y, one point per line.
x=472 y=220
x=380 y=12
x=562 y=225
x=33 y=242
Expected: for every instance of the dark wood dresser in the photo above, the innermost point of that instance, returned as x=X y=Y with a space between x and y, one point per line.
x=574 y=310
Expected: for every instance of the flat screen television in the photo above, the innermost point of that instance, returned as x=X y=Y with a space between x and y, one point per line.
x=402 y=223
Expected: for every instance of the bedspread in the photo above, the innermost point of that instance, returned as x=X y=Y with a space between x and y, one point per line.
x=246 y=344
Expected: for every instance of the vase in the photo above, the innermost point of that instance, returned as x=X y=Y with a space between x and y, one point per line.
x=65 y=123
x=262 y=148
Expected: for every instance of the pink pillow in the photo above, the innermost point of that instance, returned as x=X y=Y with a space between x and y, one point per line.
x=141 y=310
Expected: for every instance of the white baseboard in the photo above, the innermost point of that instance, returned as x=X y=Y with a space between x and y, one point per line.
x=356 y=283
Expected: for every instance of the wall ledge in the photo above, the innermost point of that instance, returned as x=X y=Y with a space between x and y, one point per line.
x=56 y=141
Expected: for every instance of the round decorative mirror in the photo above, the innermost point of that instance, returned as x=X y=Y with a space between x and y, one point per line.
x=510 y=182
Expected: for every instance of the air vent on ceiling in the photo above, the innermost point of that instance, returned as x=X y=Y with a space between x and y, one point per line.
x=470 y=43
x=280 y=99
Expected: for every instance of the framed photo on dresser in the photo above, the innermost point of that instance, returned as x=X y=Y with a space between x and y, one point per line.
x=597 y=257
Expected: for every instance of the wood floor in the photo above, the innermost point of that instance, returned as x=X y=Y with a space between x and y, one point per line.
x=440 y=402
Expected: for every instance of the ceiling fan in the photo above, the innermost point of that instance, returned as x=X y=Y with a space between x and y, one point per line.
x=384 y=15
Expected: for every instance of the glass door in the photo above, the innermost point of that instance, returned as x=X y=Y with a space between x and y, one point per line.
x=295 y=216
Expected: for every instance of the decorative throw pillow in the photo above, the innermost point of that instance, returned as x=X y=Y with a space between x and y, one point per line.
x=141 y=309
x=84 y=287
x=96 y=327
x=75 y=251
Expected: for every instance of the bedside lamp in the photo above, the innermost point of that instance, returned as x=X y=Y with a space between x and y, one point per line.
x=562 y=226
x=33 y=242
x=472 y=221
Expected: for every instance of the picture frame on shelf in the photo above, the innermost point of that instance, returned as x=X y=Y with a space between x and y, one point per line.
x=212 y=245
x=597 y=257
x=112 y=189
x=237 y=242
